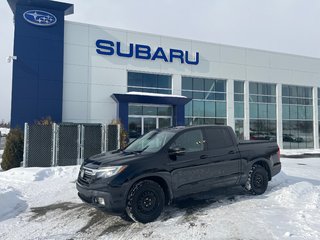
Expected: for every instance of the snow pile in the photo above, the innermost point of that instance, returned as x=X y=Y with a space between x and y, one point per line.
x=11 y=202
x=301 y=194
x=4 y=131
x=293 y=152
x=38 y=174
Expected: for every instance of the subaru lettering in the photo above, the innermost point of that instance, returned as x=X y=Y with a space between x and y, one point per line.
x=140 y=51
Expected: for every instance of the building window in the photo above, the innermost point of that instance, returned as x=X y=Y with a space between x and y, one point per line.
x=262 y=98
x=152 y=83
x=297 y=116
x=208 y=105
x=239 y=108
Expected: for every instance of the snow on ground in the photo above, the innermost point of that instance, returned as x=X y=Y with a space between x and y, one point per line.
x=292 y=152
x=1 y=153
x=4 y=131
x=42 y=203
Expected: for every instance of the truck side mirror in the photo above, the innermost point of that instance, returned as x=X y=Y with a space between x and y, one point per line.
x=177 y=151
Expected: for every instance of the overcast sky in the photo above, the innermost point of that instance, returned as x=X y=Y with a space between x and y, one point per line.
x=290 y=26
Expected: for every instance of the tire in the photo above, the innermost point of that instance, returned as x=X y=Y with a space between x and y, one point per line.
x=257 y=181
x=145 y=201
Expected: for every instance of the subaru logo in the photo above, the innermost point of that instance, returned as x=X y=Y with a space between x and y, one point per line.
x=40 y=18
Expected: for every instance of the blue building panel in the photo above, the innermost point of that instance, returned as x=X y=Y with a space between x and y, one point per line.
x=27 y=47
x=49 y=107
x=49 y=90
x=37 y=83
x=27 y=70
x=50 y=49
x=49 y=70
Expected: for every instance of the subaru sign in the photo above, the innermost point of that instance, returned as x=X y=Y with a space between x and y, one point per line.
x=140 y=51
x=40 y=18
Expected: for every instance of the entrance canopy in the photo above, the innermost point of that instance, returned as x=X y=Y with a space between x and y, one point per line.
x=176 y=101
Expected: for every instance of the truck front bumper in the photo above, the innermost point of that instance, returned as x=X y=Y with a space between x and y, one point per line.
x=113 y=200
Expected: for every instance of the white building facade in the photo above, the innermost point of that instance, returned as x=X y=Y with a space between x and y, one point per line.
x=262 y=95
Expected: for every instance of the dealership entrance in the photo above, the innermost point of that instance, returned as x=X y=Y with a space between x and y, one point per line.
x=146 y=117
x=142 y=112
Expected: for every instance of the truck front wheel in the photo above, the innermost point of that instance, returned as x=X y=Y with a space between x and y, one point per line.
x=257 y=181
x=145 y=201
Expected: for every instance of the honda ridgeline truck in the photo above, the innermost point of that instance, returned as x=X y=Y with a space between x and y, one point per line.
x=165 y=164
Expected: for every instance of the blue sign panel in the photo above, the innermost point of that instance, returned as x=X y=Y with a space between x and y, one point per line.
x=40 y=18
x=140 y=51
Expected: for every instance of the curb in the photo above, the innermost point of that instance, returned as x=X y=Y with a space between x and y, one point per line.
x=304 y=155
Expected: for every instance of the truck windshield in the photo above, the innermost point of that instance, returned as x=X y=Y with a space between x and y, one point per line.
x=151 y=142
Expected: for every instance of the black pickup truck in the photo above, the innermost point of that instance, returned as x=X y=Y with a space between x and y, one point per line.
x=165 y=164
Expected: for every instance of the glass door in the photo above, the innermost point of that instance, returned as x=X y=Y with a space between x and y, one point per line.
x=164 y=122
x=135 y=127
x=144 y=118
x=149 y=123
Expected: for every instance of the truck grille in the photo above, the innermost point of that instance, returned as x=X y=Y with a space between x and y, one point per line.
x=85 y=176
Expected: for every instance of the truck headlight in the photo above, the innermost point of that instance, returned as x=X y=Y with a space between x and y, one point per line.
x=106 y=172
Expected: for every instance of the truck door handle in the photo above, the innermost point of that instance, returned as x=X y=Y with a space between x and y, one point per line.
x=231 y=152
x=204 y=156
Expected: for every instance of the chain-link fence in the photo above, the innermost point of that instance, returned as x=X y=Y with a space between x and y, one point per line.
x=92 y=140
x=67 y=144
x=40 y=146
x=2 y=142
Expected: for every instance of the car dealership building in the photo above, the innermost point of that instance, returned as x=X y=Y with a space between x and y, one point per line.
x=75 y=72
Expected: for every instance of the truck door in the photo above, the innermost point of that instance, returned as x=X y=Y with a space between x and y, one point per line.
x=186 y=170
x=224 y=157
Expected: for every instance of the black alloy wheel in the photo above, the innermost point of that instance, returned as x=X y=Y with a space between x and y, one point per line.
x=145 y=201
x=257 y=182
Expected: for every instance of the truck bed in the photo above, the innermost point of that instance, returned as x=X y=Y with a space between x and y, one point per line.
x=261 y=148
x=242 y=142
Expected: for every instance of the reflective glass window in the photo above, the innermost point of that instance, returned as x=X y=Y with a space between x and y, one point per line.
x=153 y=83
x=239 y=110
x=239 y=99
x=238 y=86
x=209 y=100
x=198 y=108
x=187 y=83
x=220 y=86
x=297 y=117
x=262 y=111
x=221 y=109
x=209 y=85
x=198 y=84
x=239 y=129
x=210 y=108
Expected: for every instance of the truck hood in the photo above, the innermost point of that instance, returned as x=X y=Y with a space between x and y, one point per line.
x=112 y=158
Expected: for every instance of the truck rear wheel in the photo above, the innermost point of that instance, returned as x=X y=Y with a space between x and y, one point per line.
x=145 y=201
x=257 y=182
